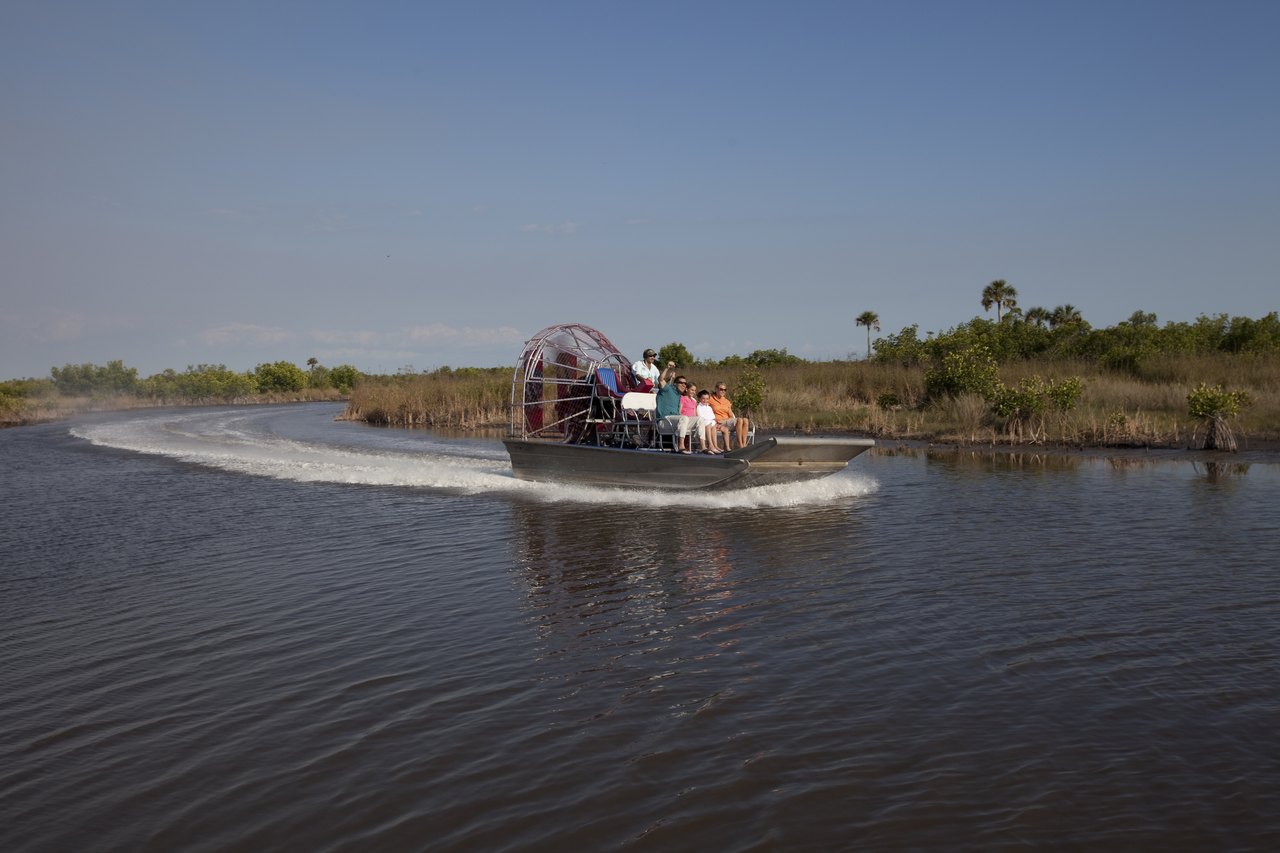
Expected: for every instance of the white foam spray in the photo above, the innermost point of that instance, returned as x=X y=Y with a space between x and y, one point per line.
x=236 y=440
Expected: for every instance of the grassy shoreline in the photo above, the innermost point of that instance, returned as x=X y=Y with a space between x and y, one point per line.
x=889 y=402
x=41 y=410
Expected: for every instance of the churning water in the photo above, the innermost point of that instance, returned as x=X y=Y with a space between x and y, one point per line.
x=229 y=629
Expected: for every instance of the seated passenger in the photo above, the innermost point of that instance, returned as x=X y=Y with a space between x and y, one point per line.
x=710 y=429
x=668 y=408
x=723 y=407
x=689 y=408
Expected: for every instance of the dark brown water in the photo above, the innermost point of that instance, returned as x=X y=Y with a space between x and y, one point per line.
x=261 y=629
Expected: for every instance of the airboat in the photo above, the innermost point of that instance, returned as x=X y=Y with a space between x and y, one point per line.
x=576 y=417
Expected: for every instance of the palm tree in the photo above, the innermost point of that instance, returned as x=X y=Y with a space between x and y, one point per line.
x=1064 y=315
x=1037 y=316
x=1000 y=294
x=871 y=320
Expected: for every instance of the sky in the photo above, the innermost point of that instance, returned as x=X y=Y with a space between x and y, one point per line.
x=411 y=185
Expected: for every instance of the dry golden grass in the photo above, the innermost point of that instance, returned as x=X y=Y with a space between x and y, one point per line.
x=1115 y=409
x=889 y=401
x=465 y=402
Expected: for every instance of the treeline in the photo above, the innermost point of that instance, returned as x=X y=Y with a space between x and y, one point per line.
x=1063 y=335
x=204 y=383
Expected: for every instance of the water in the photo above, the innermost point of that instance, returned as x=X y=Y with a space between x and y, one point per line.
x=247 y=629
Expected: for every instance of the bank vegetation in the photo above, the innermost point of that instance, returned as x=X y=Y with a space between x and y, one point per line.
x=1016 y=380
x=1034 y=377
x=79 y=388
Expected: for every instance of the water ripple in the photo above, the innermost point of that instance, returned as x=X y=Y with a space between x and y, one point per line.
x=259 y=629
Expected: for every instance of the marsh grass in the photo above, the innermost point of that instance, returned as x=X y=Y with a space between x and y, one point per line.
x=1116 y=409
x=460 y=401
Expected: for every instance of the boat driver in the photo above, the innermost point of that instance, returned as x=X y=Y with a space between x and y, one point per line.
x=646 y=372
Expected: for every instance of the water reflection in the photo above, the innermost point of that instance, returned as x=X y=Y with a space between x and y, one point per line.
x=989 y=460
x=1220 y=472
x=676 y=606
x=606 y=576
x=1060 y=460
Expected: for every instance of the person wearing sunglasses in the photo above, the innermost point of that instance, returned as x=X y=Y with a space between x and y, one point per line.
x=668 y=409
x=723 y=407
x=646 y=372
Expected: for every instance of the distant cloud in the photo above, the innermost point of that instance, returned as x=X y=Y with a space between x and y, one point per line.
x=414 y=212
x=62 y=328
x=439 y=333
x=244 y=333
x=636 y=221
x=67 y=327
x=417 y=336
x=340 y=354
x=231 y=214
x=359 y=338
x=563 y=228
x=329 y=222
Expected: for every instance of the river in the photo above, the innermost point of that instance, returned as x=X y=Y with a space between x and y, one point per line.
x=261 y=628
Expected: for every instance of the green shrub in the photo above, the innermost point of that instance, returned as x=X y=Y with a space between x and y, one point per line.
x=967 y=371
x=279 y=376
x=1206 y=401
x=201 y=382
x=1023 y=403
x=84 y=379
x=750 y=392
x=1214 y=407
x=344 y=377
x=1065 y=395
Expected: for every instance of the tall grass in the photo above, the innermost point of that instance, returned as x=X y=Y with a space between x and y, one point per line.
x=890 y=400
x=473 y=400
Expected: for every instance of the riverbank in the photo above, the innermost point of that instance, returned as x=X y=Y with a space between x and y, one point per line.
x=892 y=428
x=40 y=410
x=893 y=402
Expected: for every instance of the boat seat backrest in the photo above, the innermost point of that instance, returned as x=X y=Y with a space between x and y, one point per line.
x=608 y=378
x=640 y=402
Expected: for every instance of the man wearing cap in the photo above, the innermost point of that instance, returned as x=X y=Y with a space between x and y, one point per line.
x=646 y=372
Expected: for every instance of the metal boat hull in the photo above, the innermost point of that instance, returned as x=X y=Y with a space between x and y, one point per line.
x=766 y=462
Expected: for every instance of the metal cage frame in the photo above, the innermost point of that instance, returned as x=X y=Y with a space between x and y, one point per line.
x=556 y=389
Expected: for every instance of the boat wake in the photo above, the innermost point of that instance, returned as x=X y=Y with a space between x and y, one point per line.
x=304 y=444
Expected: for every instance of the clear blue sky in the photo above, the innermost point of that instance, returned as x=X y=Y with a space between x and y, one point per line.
x=419 y=183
